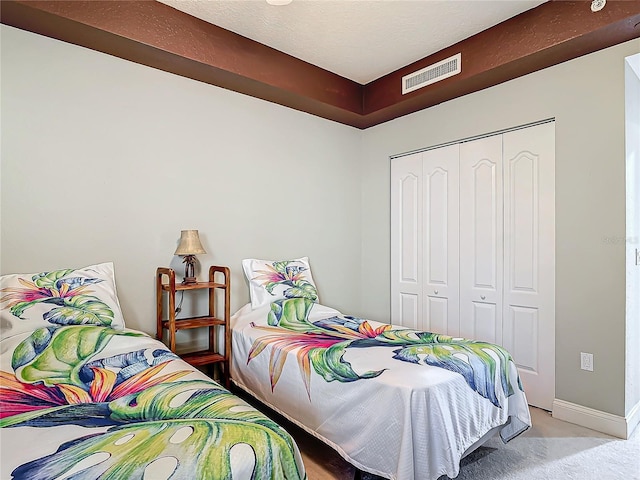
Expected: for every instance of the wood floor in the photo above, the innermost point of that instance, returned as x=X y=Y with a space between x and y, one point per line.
x=320 y=460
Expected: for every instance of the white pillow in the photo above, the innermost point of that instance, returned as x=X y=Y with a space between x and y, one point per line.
x=271 y=280
x=87 y=295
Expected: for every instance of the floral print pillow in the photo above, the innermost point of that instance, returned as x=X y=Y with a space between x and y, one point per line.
x=85 y=296
x=271 y=280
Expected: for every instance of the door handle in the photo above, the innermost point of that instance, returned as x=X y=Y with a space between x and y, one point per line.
x=482 y=297
x=435 y=292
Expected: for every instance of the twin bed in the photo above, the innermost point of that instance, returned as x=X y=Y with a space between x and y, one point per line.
x=83 y=397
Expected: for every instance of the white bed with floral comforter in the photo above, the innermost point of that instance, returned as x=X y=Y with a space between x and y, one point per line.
x=399 y=403
x=82 y=397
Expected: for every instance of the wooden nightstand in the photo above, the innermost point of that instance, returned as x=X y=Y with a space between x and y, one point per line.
x=218 y=280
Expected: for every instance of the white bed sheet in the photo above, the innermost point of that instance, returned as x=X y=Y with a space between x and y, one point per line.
x=413 y=421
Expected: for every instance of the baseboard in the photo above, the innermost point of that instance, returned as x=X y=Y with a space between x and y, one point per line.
x=615 y=425
x=633 y=419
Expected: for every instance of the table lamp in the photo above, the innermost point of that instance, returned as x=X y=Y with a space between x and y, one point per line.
x=188 y=248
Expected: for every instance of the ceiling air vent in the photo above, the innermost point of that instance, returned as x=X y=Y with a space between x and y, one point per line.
x=432 y=74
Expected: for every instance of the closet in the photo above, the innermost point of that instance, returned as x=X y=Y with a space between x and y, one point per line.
x=473 y=242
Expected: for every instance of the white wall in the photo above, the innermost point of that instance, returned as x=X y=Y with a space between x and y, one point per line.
x=632 y=138
x=107 y=160
x=99 y=154
x=586 y=97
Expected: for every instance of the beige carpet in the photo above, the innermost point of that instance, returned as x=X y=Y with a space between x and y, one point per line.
x=550 y=450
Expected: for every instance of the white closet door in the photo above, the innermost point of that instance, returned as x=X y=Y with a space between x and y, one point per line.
x=406 y=245
x=481 y=230
x=473 y=247
x=440 y=240
x=529 y=258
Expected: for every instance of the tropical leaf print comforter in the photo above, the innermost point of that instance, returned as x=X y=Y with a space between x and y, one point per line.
x=89 y=402
x=396 y=402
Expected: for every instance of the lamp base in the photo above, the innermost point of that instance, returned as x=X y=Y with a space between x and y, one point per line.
x=189 y=269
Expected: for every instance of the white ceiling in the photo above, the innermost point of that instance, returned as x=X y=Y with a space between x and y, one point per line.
x=358 y=39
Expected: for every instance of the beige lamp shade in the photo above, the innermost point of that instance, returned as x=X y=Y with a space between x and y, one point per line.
x=189 y=243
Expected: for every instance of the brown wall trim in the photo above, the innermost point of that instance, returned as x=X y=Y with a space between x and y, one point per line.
x=156 y=35
x=552 y=33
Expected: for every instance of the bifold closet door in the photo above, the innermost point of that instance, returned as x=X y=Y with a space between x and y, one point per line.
x=440 y=240
x=481 y=245
x=406 y=241
x=529 y=258
x=424 y=241
x=473 y=247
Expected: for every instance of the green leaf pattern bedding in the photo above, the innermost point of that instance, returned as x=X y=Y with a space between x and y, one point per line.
x=89 y=402
x=396 y=402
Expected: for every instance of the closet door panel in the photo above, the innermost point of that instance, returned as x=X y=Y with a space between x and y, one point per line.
x=481 y=243
x=440 y=240
x=484 y=320
x=520 y=328
x=529 y=258
x=409 y=310
x=437 y=314
x=406 y=245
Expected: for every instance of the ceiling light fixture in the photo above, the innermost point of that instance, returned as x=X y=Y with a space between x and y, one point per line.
x=279 y=2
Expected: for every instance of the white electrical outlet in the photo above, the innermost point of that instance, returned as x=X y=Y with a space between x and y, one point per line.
x=586 y=361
